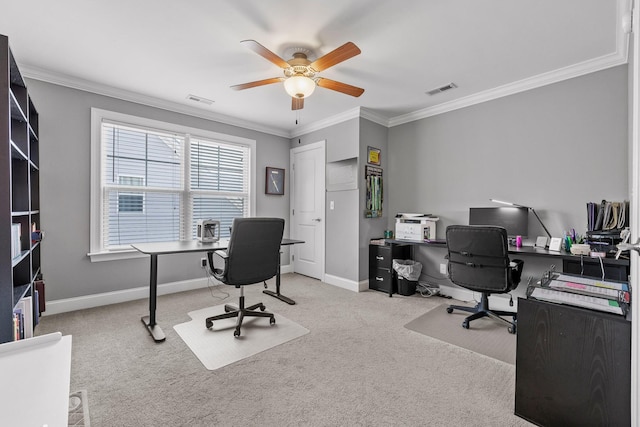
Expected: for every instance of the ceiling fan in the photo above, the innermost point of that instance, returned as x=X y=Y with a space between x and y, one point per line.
x=300 y=74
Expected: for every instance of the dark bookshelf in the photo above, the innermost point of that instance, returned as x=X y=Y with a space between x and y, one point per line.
x=19 y=190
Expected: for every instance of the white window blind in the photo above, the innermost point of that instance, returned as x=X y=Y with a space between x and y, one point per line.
x=155 y=185
x=219 y=183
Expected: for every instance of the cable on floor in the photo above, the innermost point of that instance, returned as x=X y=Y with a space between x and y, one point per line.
x=214 y=286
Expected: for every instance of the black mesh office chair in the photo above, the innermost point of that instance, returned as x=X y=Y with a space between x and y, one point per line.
x=253 y=256
x=479 y=261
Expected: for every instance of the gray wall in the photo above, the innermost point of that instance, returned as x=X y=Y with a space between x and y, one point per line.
x=553 y=148
x=341 y=231
x=348 y=232
x=372 y=135
x=65 y=147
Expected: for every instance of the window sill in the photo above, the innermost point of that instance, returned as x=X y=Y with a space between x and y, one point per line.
x=114 y=256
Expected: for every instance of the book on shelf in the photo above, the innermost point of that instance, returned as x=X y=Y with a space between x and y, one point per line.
x=16 y=248
x=36 y=304
x=23 y=318
x=39 y=284
x=602 y=295
x=18 y=324
x=26 y=304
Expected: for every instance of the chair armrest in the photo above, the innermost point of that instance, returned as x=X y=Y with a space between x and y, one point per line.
x=220 y=254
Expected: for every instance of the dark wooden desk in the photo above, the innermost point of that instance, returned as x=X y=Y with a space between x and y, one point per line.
x=184 y=246
x=614 y=269
x=573 y=366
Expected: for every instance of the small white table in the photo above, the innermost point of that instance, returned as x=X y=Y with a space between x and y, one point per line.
x=35 y=375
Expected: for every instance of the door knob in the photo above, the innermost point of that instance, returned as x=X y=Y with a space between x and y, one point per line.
x=625 y=245
x=629 y=246
x=317 y=219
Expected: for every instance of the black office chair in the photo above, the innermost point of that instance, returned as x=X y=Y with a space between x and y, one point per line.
x=252 y=256
x=479 y=261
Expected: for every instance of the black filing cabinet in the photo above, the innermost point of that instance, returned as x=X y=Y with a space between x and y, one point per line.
x=381 y=274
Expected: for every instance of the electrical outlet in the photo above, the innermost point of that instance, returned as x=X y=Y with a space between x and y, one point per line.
x=203 y=262
x=443 y=268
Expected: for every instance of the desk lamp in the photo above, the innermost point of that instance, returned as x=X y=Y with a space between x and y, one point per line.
x=526 y=207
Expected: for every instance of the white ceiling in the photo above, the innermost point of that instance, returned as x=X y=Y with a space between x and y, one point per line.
x=159 y=51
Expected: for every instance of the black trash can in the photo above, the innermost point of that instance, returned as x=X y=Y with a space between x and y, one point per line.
x=406 y=287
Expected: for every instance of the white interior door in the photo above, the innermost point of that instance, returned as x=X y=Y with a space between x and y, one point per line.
x=307 y=208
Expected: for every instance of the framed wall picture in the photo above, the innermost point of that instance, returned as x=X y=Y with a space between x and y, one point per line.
x=274 y=183
x=373 y=156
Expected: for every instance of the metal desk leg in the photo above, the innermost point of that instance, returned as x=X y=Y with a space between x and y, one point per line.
x=277 y=294
x=150 y=320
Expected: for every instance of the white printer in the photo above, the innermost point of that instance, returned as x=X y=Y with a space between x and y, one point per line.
x=416 y=226
x=208 y=230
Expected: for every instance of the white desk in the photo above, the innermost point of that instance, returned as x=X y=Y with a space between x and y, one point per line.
x=184 y=246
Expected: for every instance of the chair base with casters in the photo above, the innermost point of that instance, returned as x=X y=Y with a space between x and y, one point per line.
x=252 y=256
x=241 y=312
x=482 y=310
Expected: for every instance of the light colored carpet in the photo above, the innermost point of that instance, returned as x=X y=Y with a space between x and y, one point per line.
x=217 y=347
x=358 y=366
x=484 y=336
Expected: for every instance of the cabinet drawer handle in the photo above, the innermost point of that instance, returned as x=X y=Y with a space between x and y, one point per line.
x=379 y=279
x=379 y=258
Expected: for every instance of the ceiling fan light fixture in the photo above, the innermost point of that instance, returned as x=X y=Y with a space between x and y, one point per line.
x=299 y=86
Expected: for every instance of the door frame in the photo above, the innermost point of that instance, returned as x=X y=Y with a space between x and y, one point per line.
x=634 y=179
x=292 y=182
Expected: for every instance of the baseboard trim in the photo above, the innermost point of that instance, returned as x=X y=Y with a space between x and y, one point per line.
x=340 y=282
x=115 y=297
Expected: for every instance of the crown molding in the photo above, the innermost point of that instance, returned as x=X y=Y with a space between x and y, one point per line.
x=540 y=80
x=619 y=57
x=329 y=121
x=372 y=116
x=37 y=73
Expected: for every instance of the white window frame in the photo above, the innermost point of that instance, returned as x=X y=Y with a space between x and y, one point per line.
x=97 y=117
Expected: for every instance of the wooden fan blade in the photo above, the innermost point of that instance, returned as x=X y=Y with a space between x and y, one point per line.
x=297 y=103
x=257 y=83
x=340 y=87
x=344 y=52
x=265 y=53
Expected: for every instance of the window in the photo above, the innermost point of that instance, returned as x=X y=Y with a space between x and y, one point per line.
x=153 y=181
x=130 y=202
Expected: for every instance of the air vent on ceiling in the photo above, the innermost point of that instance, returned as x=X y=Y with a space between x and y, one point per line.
x=442 y=89
x=199 y=99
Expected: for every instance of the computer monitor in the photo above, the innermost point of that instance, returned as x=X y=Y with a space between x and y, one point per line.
x=514 y=220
